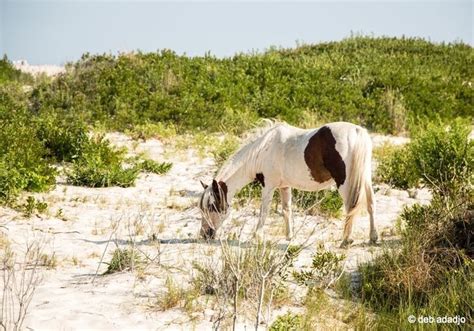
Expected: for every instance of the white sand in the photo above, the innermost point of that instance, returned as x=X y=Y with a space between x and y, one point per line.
x=164 y=205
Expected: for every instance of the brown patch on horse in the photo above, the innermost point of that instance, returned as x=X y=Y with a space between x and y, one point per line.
x=260 y=178
x=322 y=158
x=219 y=190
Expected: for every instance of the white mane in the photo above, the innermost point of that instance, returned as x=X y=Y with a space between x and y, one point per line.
x=248 y=152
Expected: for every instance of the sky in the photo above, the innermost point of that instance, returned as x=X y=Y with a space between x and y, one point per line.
x=55 y=32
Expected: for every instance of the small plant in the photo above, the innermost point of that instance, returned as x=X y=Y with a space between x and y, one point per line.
x=32 y=205
x=175 y=296
x=159 y=168
x=396 y=168
x=48 y=261
x=324 y=267
x=287 y=322
x=20 y=279
x=172 y=297
x=123 y=260
x=101 y=166
x=325 y=202
x=444 y=156
x=439 y=157
x=152 y=130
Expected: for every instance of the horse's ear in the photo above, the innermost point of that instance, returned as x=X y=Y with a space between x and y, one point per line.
x=204 y=186
x=215 y=186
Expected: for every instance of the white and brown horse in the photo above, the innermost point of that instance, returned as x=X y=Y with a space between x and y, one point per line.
x=283 y=156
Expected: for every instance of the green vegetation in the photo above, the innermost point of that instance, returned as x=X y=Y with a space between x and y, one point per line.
x=159 y=168
x=439 y=157
x=122 y=260
x=287 y=322
x=326 y=202
x=99 y=165
x=385 y=84
x=32 y=205
x=8 y=73
x=23 y=164
x=430 y=273
x=152 y=130
x=324 y=267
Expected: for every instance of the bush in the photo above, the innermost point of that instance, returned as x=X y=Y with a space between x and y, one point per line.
x=123 y=260
x=444 y=156
x=152 y=130
x=431 y=273
x=23 y=163
x=33 y=205
x=324 y=267
x=99 y=165
x=439 y=156
x=287 y=322
x=159 y=168
x=63 y=137
x=397 y=168
x=359 y=79
x=9 y=74
x=325 y=202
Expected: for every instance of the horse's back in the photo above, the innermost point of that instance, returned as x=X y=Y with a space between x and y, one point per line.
x=304 y=152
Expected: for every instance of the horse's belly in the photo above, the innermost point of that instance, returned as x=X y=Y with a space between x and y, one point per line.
x=297 y=175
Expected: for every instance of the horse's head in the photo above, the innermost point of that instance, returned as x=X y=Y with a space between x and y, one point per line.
x=214 y=208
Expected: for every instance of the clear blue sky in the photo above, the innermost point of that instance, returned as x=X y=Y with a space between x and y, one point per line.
x=54 y=32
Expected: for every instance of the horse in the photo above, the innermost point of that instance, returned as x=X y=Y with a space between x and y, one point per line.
x=284 y=157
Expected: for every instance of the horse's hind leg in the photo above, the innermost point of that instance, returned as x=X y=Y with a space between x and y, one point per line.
x=350 y=215
x=371 y=210
x=346 y=240
x=285 y=193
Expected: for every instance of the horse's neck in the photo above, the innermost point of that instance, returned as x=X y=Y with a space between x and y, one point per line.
x=235 y=180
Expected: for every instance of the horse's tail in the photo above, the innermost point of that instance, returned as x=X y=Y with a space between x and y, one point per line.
x=360 y=173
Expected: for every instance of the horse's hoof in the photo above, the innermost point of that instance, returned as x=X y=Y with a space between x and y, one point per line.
x=373 y=238
x=346 y=243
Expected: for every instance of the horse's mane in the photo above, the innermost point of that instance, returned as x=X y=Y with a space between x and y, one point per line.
x=254 y=141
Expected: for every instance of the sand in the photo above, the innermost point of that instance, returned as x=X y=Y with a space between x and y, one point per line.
x=78 y=228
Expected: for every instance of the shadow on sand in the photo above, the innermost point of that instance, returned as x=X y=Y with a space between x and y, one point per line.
x=214 y=242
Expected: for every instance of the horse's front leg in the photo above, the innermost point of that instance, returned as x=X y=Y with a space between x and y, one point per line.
x=285 y=193
x=267 y=195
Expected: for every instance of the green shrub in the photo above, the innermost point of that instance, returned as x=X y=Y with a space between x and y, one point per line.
x=33 y=205
x=9 y=74
x=431 y=273
x=99 y=165
x=23 y=163
x=325 y=202
x=159 y=168
x=444 y=156
x=287 y=322
x=152 y=130
x=63 y=137
x=324 y=267
x=439 y=156
x=123 y=260
x=397 y=168
x=360 y=79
